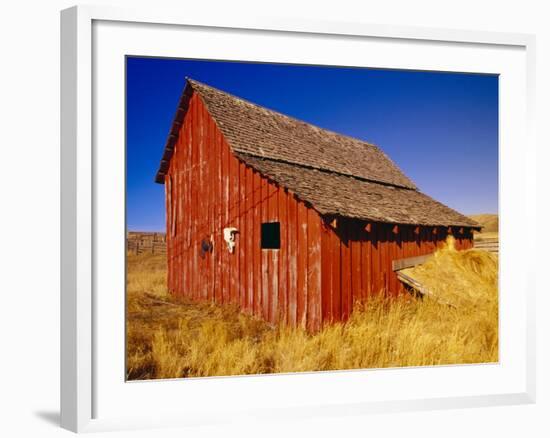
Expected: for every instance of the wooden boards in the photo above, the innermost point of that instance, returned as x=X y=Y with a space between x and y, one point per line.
x=409 y=262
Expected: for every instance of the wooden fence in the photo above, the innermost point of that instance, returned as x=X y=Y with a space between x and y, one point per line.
x=143 y=242
x=487 y=244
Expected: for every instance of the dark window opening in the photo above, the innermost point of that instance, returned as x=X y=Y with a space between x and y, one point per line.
x=271 y=235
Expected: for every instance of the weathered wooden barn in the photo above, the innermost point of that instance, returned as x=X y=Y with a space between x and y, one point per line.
x=291 y=222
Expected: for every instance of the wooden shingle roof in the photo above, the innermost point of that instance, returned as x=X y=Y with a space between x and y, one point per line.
x=337 y=175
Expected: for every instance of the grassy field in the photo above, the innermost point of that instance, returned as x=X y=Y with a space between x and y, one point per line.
x=168 y=338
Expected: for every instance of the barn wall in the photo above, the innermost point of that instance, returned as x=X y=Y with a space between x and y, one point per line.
x=357 y=263
x=208 y=189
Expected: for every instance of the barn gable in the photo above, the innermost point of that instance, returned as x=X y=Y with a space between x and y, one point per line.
x=336 y=174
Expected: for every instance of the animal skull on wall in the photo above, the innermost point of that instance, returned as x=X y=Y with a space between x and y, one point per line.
x=229 y=237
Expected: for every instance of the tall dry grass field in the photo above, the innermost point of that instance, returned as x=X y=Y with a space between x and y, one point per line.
x=168 y=338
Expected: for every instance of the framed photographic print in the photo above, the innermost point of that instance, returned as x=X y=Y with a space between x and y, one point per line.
x=265 y=215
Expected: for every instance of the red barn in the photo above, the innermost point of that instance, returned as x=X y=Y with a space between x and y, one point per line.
x=291 y=222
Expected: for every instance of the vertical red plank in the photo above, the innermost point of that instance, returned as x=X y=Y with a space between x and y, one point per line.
x=219 y=246
x=212 y=165
x=185 y=248
x=418 y=240
x=265 y=255
x=209 y=189
x=181 y=164
x=345 y=251
x=179 y=159
x=313 y=270
x=355 y=264
x=326 y=274
x=392 y=279
x=199 y=212
x=194 y=200
x=421 y=238
x=169 y=248
x=390 y=255
x=198 y=195
x=292 y=261
x=383 y=249
x=413 y=236
x=367 y=261
x=173 y=186
x=237 y=224
x=405 y=240
x=181 y=214
x=403 y=232
x=207 y=195
x=426 y=238
x=409 y=234
x=168 y=241
x=336 y=290
x=390 y=235
x=177 y=195
x=230 y=223
x=250 y=248
x=202 y=212
x=375 y=250
x=363 y=257
x=362 y=260
x=225 y=219
x=242 y=237
x=189 y=170
x=398 y=254
x=384 y=230
x=234 y=222
x=283 y=256
x=401 y=253
x=302 y=259
x=432 y=241
x=257 y=251
x=273 y=256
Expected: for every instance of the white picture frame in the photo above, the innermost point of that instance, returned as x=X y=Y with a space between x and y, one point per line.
x=81 y=273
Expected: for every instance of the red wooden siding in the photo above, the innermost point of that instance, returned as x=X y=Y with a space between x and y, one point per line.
x=320 y=271
x=357 y=263
x=208 y=189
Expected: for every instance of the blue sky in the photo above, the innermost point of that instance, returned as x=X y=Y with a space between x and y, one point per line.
x=441 y=129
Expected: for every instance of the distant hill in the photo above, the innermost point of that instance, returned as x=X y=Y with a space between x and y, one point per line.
x=489 y=221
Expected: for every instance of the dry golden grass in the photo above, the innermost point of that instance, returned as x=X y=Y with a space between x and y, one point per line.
x=169 y=338
x=460 y=278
